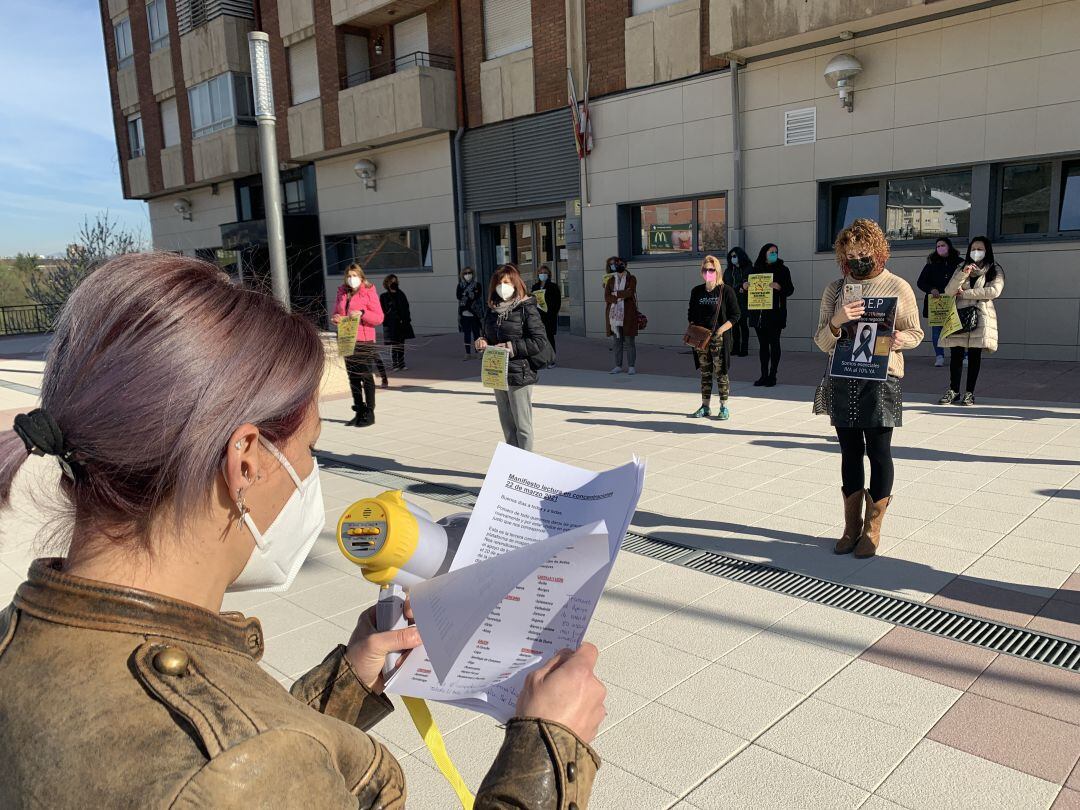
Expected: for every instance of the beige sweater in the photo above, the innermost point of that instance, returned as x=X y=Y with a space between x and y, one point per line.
x=885 y=285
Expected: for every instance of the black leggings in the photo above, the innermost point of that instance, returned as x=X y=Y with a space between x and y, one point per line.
x=956 y=367
x=876 y=444
x=768 y=350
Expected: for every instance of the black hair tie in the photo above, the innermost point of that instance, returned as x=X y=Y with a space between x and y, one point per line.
x=42 y=437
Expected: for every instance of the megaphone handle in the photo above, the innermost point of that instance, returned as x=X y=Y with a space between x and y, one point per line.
x=390 y=615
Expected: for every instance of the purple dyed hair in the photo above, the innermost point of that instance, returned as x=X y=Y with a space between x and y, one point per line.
x=156 y=360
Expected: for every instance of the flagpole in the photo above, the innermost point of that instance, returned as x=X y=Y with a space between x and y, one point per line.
x=585 y=134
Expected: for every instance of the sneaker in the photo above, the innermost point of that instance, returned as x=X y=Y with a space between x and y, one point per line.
x=551 y=364
x=949 y=398
x=939 y=361
x=616 y=370
x=965 y=360
x=723 y=414
x=700 y=412
x=385 y=383
x=631 y=371
x=770 y=381
x=969 y=399
x=402 y=368
x=760 y=381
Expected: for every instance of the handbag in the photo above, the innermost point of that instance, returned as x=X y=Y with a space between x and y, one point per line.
x=823 y=391
x=969 y=319
x=642 y=321
x=698 y=337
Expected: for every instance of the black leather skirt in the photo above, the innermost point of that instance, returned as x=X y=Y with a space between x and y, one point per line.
x=866 y=403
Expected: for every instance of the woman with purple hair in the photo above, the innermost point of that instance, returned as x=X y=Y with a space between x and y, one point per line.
x=182 y=412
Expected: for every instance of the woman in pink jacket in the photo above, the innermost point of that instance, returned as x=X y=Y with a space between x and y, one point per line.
x=357 y=298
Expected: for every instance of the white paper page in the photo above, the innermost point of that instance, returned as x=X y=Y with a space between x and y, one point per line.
x=526 y=624
x=481 y=613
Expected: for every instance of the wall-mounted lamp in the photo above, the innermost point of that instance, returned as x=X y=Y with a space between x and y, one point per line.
x=365 y=170
x=379 y=45
x=183 y=208
x=840 y=73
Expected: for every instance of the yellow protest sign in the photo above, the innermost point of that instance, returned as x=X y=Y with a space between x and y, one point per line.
x=607 y=276
x=493 y=368
x=949 y=319
x=346 y=335
x=760 y=294
x=541 y=299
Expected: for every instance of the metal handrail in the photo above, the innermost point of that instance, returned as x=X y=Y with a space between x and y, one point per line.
x=27 y=319
x=391 y=66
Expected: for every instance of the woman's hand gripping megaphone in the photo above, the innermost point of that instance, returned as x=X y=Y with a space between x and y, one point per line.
x=368 y=648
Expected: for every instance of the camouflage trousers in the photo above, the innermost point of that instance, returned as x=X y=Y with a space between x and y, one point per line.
x=713 y=363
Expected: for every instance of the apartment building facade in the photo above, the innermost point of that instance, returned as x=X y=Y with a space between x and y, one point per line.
x=713 y=125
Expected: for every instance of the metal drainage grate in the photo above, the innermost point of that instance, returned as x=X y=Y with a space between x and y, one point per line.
x=1003 y=638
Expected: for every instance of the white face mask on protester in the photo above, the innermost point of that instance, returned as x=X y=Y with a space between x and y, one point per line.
x=505 y=291
x=978 y=255
x=543 y=278
x=354 y=282
x=280 y=551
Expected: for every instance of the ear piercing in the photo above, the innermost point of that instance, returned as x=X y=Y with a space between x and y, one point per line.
x=241 y=508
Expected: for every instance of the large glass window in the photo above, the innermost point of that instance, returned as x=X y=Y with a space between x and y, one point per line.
x=679 y=227
x=390 y=251
x=712 y=225
x=507 y=27
x=928 y=206
x=124 y=53
x=1070 y=197
x=1025 y=199
x=851 y=202
x=136 y=145
x=221 y=102
x=157 y=18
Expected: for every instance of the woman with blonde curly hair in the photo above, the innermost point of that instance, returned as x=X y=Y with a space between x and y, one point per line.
x=864 y=412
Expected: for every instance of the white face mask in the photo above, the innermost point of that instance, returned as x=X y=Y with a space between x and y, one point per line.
x=354 y=282
x=543 y=278
x=978 y=255
x=505 y=291
x=280 y=551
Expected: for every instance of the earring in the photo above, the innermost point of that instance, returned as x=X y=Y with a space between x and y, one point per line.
x=241 y=508
x=239 y=445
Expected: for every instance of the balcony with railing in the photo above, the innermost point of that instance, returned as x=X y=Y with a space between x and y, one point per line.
x=411 y=95
x=372 y=13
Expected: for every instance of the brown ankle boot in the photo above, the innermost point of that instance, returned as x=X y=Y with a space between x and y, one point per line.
x=871 y=533
x=853 y=523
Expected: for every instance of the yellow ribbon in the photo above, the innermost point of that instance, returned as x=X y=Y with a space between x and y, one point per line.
x=425 y=724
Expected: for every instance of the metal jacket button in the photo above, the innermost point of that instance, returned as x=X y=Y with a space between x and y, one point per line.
x=171 y=661
x=571 y=772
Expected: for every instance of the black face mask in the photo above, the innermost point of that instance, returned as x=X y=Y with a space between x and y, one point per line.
x=861 y=267
x=393 y=286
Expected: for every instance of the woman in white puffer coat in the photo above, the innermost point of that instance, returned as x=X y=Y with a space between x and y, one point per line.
x=975 y=284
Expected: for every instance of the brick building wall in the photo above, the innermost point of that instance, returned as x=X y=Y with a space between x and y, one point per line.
x=605 y=23
x=549 y=55
x=153 y=137
x=279 y=71
x=440 y=25
x=326 y=52
x=472 y=46
x=183 y=109
x=122 y=148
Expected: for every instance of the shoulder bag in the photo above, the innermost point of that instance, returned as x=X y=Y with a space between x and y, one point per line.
x=698 y=337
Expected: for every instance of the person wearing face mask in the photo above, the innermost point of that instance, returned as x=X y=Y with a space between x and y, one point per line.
x=739 y=268
x=397 y=321
x=975 y=285
x=124 y=684
x=553 y=302
x=620 y=314
x=513 y=322
x=865 y=412
x=714 y=305
x=471 y=309
x=937 y=271
x=770 y=323
x=357 y=298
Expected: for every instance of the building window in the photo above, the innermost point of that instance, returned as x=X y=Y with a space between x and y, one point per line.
x=124 y=53
x=170 y=122
x=1070 y=197
x=391 y=251
x=191 y=14
x=507 y=27
x=294 y=196
x=928 y=206
x=136 y=145
x=643 y=6
x=157 y=18
x=850 y=202
x=677 y=227
x=221 y=102
x=297 y=194
x=303 y=71
x=1025 y=199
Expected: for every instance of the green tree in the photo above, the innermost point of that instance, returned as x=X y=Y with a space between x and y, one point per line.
x=95 y=243
x=14 y=276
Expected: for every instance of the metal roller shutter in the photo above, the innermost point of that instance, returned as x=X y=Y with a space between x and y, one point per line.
x=529 y=161
x=507 y=27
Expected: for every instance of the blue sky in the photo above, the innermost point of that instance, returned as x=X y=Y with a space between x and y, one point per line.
x=58 y=160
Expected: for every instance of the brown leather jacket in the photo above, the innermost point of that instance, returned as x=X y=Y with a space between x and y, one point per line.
x=113 y=697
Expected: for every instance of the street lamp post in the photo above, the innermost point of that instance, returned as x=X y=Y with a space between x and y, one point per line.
x=259 y=45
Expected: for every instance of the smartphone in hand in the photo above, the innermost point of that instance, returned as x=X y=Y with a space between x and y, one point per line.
x=852 y=293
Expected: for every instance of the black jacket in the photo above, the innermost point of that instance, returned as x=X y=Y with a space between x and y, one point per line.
x=470 y=299
x=397 y=322
x=522 y=329
x=934 y=276
x=553 y=299
x=775 y=318
x=735 y=275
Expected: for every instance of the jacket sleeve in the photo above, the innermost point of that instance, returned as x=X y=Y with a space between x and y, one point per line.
x=956 y=281
x=339 y=304
x=732 y=305
x=609 y=291
x=373 y=314
x=541 y=766
x=925 y=282
x=908 y=321
x=406 y=316
x=989 y=291
x=823 y=337
x=333 y=689
x=533 y=340
x=554 y=300
x=787 y=286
